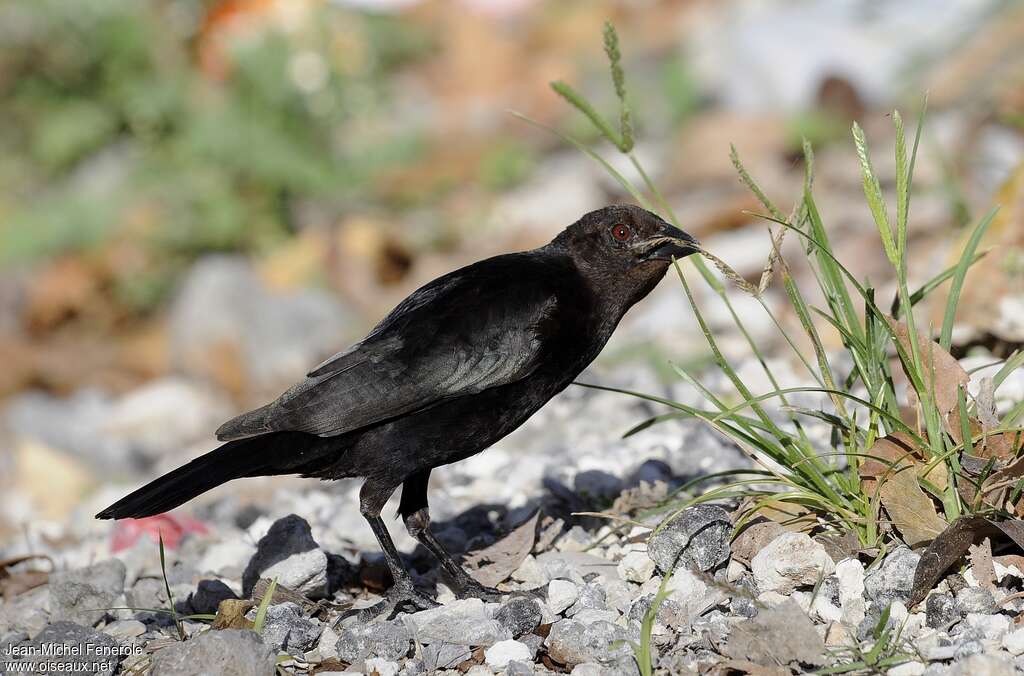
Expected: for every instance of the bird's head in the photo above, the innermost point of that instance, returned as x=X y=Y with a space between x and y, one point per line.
x=624 y=246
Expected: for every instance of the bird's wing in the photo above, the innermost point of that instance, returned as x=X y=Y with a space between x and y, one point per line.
x=477 y=328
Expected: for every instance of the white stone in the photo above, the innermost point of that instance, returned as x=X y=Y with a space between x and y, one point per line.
x=636 y=567
x=463 y=622
x=994 y=627
x=825 y=610
x=503 y=652
x=802 y=600
x=529 y=573
x=907 y=669
x=734 y=571
x=982 y=665
x=692 y=593
x=382 y=667
x=771 y=598
x=1002 y=571
x=789 y=561
x=327 y=646
x=592 y=615
x=853 y=612
x=588 y=669
x=898 y=612
x=1013 y=641
x=561 y=595
x=850 y=573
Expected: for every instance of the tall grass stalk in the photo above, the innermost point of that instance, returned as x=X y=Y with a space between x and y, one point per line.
x=860 y=398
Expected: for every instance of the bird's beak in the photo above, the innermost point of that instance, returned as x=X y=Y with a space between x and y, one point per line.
x=670 y=242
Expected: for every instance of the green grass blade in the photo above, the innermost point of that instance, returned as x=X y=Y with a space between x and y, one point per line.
x=167 y=587
x=949 y=317
x=261 y=611
x=873 y=193
x=902 y=189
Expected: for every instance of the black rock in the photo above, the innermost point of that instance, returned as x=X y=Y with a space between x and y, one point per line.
x=208 y=595
x=696 y=538
x=296 y=558
x=941 y=610
x=520 y=616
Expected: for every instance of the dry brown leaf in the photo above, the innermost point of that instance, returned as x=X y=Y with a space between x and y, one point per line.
x=892 y=469
x=911 y=511
x=231 y=614
x=282 y=594
x=997 y=486
x=886 y=454
x=840 y=546
x=19 y=582
x=1008 y=560
x=942 y=372
x=789 y=515
x=981 y=564
x=492 y=564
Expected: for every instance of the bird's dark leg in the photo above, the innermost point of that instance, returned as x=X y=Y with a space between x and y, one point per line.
x=372 y=497
x=416 y=514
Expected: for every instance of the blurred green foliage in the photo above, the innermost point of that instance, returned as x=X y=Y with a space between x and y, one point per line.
x=111 y=131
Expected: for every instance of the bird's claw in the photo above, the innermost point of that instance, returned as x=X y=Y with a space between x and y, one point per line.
x=401 y=597
x=470 y=588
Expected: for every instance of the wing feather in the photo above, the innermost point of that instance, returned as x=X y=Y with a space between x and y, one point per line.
x=461 y=334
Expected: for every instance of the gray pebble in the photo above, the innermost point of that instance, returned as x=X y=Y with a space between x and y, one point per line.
x=571 y=642
x=976 y=600
x=941 y=610
x=389 y=640
x=287 y=629
x=516 y=668
x=225 y=652
x=82 y=595
x=520 y=616
x=696 y=538
x=438 y=656
x=591 y=597
x=893 y=579
x=78 y=638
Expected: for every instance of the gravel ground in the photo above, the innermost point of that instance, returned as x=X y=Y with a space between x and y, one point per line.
x=772 y=601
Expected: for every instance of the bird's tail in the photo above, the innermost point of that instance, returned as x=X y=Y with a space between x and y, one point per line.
x=253 y=456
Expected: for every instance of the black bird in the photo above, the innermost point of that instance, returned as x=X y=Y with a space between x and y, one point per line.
x=452 y=369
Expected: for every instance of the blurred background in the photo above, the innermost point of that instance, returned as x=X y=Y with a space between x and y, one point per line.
x=201 y=199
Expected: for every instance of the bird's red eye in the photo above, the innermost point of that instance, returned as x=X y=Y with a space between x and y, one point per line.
x=622 y=232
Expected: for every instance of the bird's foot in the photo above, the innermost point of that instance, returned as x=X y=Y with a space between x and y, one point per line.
x=470 y=588
x=538 y=594
x=401 y=597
